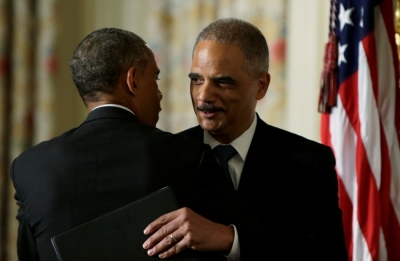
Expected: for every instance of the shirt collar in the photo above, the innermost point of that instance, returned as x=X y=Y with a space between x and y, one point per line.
x=241 y=143
x=115 y=105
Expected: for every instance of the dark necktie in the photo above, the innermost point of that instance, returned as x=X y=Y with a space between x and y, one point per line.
x=224 y=154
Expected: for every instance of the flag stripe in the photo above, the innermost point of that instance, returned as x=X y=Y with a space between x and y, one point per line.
x=390 y=227
x=382 y=246
x=325 y=132
x=368 y=158
x=367 y=194
x=368 y=112
x=343 y=143
x=345 y=202
x=347 y=208
x=368 y=51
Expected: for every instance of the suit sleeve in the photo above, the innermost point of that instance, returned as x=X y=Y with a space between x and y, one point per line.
x=26 y=243
x=324 y=229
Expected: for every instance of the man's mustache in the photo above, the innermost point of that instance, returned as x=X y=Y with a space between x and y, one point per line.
x=208 y=107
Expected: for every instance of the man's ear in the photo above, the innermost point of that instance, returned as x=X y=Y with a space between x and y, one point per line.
x=132 y=76
x=262 y=85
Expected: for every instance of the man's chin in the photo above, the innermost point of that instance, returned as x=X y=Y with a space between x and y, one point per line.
x=209 y=126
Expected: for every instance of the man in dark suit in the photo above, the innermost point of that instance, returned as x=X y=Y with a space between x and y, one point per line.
x=117 y=156
x=288 y=180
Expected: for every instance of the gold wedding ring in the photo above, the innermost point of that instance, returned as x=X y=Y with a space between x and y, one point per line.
x=171 y=236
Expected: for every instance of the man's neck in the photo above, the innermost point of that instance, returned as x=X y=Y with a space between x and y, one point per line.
x=228 y=138
x=222 y=138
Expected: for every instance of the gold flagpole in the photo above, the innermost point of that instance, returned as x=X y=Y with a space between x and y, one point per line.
x=397 y=27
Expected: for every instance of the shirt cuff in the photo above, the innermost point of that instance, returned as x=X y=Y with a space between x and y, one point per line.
x=234 y=255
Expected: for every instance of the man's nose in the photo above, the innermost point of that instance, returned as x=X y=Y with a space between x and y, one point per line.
x=206 y=92
x=160 y=95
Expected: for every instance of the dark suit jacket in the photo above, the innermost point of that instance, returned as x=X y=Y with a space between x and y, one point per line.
x=110 y=160
x=291 y=183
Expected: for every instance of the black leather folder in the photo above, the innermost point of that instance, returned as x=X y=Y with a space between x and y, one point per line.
x=118 y=235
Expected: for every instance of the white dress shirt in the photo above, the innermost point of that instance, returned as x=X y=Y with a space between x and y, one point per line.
x=114 y=105
x=241 y=145
x=235 y=164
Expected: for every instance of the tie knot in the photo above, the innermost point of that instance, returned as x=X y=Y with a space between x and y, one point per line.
x=224 y=152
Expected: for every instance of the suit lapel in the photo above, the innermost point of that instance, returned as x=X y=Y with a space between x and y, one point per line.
x=259 y=156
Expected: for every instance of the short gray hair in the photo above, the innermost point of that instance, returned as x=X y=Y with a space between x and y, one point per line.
x=101 y=58
x=244 y=35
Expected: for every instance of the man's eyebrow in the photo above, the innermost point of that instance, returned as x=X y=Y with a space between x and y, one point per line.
x=194 y=75
x=224 y=78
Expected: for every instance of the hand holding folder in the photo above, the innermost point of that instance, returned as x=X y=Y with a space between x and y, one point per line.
x=119 y=235
x=190 y=230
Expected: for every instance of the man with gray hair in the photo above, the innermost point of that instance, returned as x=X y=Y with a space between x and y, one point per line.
x=288 y=180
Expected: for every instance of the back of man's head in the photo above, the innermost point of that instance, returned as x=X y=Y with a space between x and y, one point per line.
x=244 y=35
x=101 y=58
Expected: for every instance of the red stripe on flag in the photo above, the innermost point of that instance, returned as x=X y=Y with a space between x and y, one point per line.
x=325 y=133
x=368 y=206
x=370 y=52
x=347 y=216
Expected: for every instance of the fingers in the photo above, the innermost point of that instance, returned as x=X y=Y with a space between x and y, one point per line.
x=183 y=229
x=159 y=222
x=171 y=236
x=175 y=249
x=169 y=246
x=162 y=227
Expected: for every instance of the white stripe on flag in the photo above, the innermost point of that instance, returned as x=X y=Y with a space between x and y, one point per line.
x=382 y=246
x=360 y=247
x=343 y=140
x=368 y=115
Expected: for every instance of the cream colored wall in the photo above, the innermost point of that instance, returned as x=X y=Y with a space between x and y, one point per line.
x=69 y=106
x=77 y=19
x=306 y=35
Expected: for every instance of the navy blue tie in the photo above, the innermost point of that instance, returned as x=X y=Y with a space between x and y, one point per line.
x=224 y=154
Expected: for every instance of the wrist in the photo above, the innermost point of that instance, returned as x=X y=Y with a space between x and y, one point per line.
x=227 y=238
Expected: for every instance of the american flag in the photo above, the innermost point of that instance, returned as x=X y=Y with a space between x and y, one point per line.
x=360 y=101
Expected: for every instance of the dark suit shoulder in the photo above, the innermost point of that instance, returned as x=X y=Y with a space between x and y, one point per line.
x=194 y=132
x=284 y=142
x=177 y=141
x=46 y=146
x=306 y=223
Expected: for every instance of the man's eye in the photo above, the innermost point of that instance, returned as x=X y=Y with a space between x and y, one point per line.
x=157 y=79
x=224 y=83
x=196 y=81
